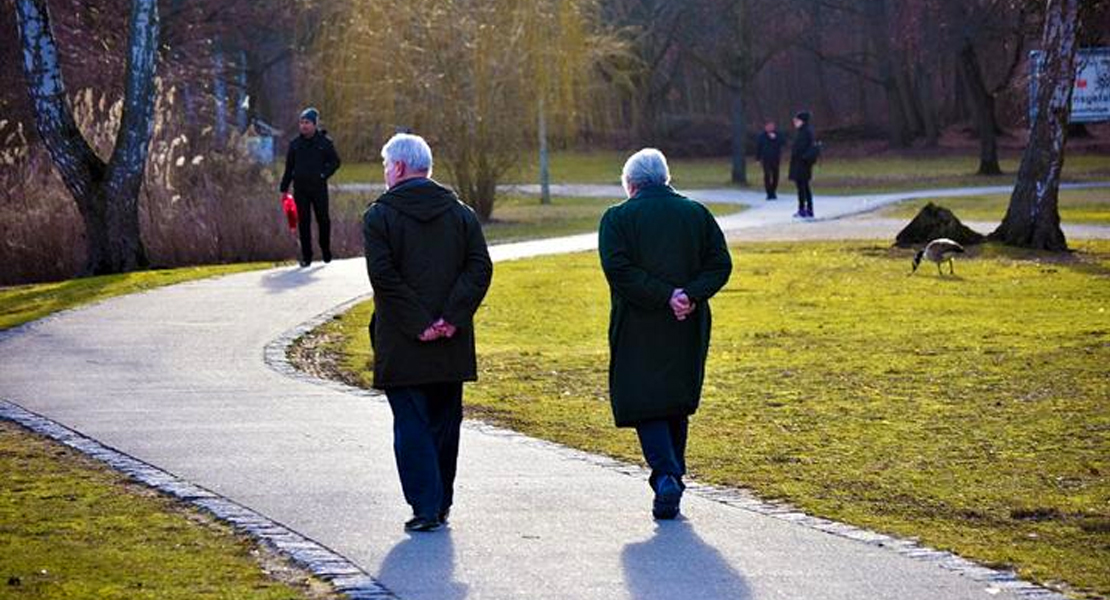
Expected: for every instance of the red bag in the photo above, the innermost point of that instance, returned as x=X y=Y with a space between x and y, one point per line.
x=290 y=208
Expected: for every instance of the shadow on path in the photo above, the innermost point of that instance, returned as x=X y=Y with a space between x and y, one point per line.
x=283 y=280
x=677 y=563
x=424 y=566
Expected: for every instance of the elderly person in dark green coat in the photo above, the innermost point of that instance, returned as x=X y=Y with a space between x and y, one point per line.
x=664 y=257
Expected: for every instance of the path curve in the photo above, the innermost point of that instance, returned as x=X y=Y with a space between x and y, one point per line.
x=177 y=378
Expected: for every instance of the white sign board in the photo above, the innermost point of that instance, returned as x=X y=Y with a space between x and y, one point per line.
x=1090 y=100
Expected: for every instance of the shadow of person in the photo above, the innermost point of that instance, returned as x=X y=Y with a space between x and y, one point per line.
x=677 y=563
x=423 y=566
x=281 y=280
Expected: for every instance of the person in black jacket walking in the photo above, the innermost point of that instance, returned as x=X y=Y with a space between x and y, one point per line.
x=430 y=269
x=768 y=151
x=803 y=154
x=311 y=160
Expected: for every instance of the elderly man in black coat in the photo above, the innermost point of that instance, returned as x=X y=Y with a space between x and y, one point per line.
x=803 y=155
x=430 y=269
x=311 y=160
x=664 y=257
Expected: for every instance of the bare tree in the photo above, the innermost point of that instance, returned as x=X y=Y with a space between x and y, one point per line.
x=107 y=193
x=1000 y=24
x=723 y=45
x=470 y=76
x=1033 y=217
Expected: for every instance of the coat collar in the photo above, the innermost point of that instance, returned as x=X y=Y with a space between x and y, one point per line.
x=649 y=191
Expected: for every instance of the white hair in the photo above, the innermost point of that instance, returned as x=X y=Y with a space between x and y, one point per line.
x=646 y=167
x=409 y=149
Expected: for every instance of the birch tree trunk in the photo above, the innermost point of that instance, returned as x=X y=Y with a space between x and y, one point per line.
x=107 y=194
x=1033 y=217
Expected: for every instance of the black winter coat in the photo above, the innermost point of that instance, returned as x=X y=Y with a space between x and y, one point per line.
x=310 y=162
x=768 y=150
x=803 y=154
x=427 y=259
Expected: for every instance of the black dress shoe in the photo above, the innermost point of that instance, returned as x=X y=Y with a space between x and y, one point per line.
x=327 y=257
x=423 y=524
x=305 y=263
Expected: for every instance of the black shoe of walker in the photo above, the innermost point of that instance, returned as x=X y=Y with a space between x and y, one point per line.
x=423 y=524
x=668 y=495
x=327 y=257
x=305 y=263
x=444 y=515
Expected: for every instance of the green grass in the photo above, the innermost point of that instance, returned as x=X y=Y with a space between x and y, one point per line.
x=20 y=304
x=71 y=528
x=523 y=217
x=887 y=172
x=971 y=412
x=1090 y=207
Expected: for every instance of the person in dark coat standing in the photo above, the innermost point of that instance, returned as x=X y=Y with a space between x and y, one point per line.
x=430 y=269
x=664 y=257
x=768 y=151
x=803 y=155
x=311 y=160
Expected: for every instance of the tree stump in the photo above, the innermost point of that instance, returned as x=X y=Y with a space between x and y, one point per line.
x=936 y=222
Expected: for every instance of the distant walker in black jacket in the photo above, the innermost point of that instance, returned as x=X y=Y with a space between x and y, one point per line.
x=311 y=160
x=803 y=154
x=768 y=151
x=430 y=269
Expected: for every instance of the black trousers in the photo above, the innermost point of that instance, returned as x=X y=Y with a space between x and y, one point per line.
x=805 y=197
x=663 y=442
x=426 y=421
x=313 y=201
x=771 y=178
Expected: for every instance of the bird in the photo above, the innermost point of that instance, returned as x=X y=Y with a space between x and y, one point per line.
x=939 y=250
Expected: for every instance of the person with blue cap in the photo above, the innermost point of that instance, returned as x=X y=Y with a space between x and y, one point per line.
x=311 y=160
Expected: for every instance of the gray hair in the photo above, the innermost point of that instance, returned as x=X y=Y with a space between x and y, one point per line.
x=646 y=167
x=409 y=149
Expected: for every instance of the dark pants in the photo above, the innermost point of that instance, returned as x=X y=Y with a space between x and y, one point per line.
x=426 y=422
x=309 y=201
x=771 y=178
x=663 y=442
x=805 y=197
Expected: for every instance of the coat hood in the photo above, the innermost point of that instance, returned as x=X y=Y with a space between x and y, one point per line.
x=422 y=200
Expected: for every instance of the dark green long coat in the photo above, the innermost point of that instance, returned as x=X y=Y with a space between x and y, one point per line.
x=651 y=244
x=427 y=259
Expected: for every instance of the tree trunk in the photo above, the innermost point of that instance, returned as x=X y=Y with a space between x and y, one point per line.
x=1033 y=217
x=983 y=102
x=739 y=135
x=107 y=195
x=898 y=129
x=545 y=170
x=926 y=99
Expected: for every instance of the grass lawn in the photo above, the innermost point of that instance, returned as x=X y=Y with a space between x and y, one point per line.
x=523 y=217
x=23 y=303
x=832 y=175
x=71 y=528
x=1088 y=207
x=971 y=412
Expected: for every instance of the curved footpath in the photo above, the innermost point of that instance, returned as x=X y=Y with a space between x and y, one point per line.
x=191 y=380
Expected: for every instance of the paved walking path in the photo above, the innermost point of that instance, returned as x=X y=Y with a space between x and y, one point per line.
x=176 y=377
